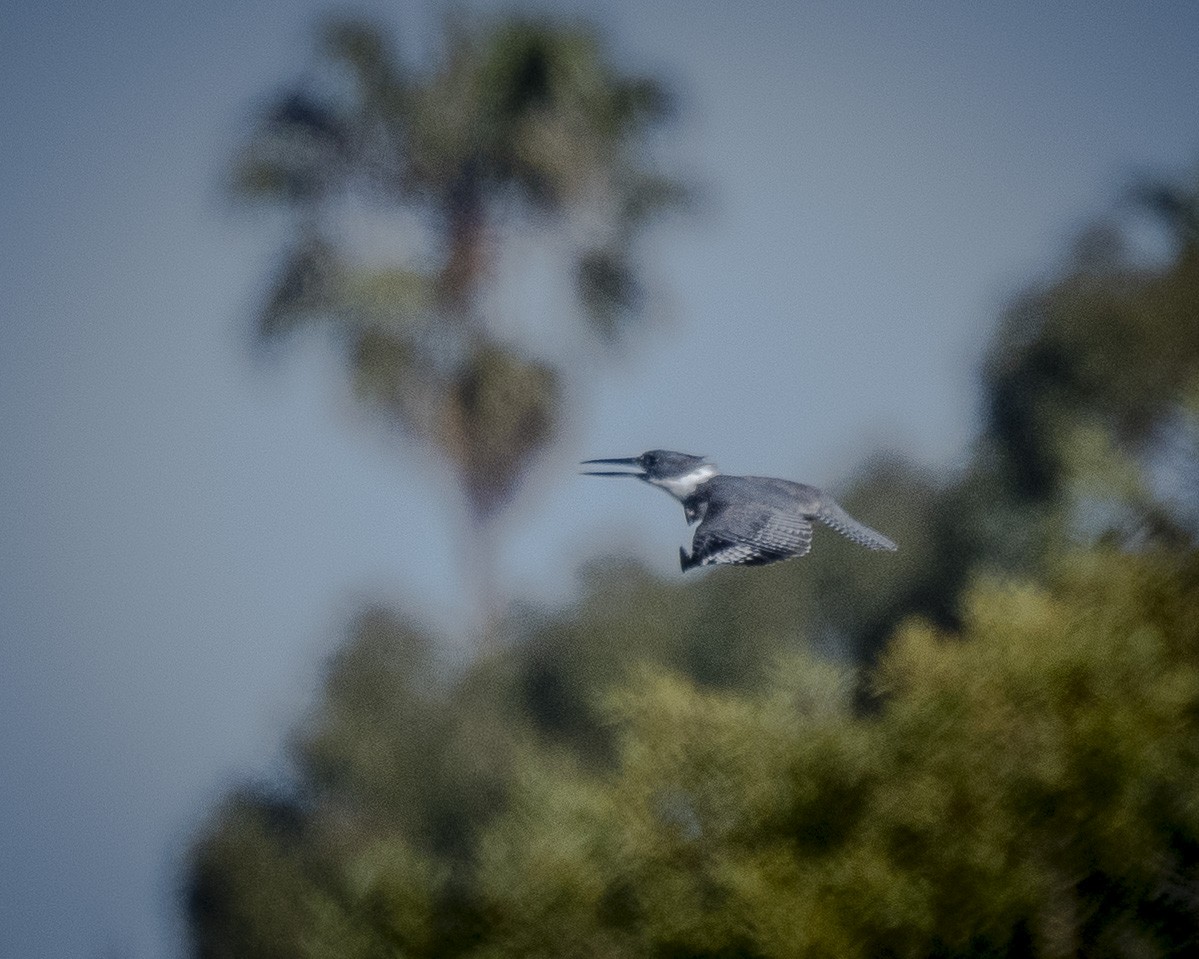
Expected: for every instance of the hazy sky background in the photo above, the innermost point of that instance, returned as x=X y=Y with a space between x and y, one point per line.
x=185 y=531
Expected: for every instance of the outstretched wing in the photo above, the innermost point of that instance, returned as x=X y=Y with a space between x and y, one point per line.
x=748 y=535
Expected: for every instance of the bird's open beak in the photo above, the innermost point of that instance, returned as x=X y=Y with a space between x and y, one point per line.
x=632 y=461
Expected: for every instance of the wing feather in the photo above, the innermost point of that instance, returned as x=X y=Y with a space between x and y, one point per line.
x=753 y=535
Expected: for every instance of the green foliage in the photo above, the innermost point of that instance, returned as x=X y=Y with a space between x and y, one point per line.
x=274 y=882
x=1091 y=386
x=1093 y=377
x=1028 y=788
x=1028 y=785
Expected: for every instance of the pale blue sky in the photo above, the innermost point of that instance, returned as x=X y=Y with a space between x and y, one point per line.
x=184 y=532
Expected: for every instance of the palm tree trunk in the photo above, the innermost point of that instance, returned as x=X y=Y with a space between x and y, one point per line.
x=478 y=549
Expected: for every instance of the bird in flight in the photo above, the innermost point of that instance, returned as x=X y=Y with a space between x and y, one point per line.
x=743 y=520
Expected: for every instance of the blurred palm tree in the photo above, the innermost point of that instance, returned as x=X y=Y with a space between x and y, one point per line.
x=517 y=123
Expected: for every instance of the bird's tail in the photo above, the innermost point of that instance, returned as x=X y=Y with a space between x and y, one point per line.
x=834 y=516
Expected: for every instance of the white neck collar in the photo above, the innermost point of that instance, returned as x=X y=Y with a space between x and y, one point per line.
x=681 y=487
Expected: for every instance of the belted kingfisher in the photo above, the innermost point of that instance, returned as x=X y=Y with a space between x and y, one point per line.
x=743 y=520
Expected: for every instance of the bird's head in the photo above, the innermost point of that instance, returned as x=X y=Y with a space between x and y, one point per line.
x=677 y=473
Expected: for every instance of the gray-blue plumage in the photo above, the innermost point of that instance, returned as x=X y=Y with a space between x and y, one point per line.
x=743 y=520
